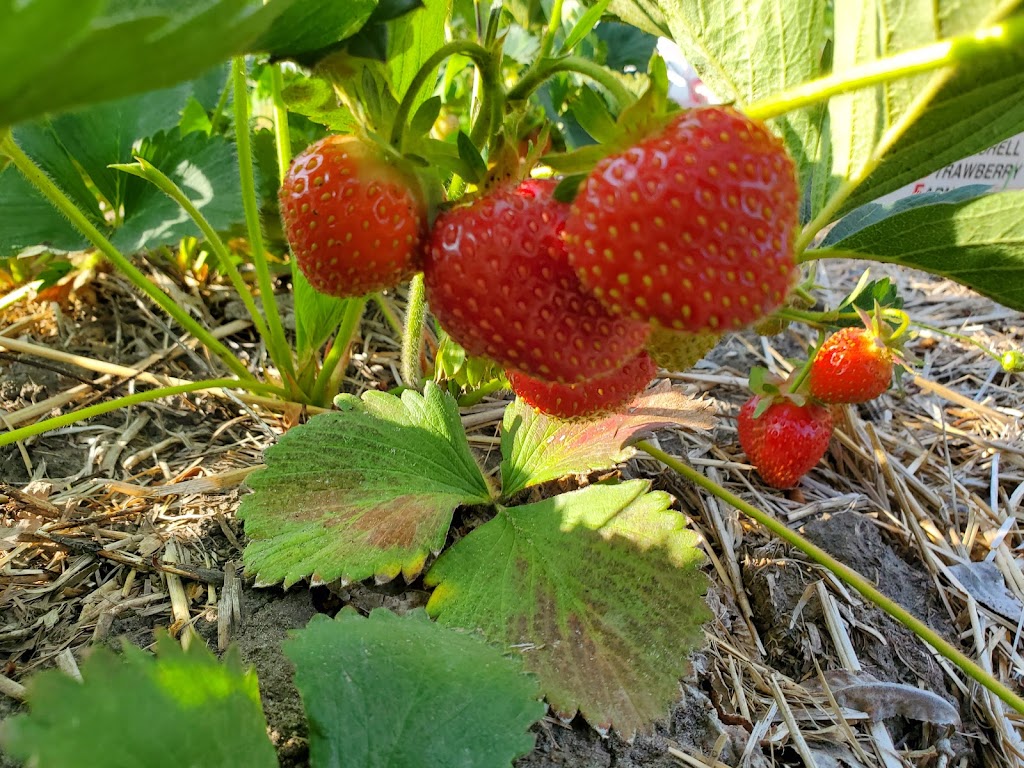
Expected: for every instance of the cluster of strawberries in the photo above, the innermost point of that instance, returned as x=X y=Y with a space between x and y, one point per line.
x=676 y=239
x=683 y=235
x=785 y=433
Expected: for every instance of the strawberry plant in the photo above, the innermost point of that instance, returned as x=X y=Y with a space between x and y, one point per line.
x=572 y=225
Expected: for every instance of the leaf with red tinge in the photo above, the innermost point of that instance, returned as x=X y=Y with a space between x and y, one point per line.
x=368 y=491
x=599 y=589
x=539 y=448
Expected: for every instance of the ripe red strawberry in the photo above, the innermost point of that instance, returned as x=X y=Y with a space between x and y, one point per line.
x=679 y=350
x=785 y=441
x=693 y=227
x=588 y=399
x=499 y=281
x=353 y=220
x=854 y=365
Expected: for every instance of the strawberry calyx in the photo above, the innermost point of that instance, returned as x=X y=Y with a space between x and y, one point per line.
x=770 y=389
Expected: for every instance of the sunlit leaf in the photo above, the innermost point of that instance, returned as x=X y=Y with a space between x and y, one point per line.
x=385 y=691
x=537 y=448
x=367 y=491
x=182 y=708
x=600 y=589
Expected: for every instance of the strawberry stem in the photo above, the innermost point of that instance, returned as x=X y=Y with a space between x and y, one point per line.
x=277 y=345
x=844 y=573
x=481 y=57
x=323 y=391
x=73 y=417
x=544 y=69
x=1000 y=37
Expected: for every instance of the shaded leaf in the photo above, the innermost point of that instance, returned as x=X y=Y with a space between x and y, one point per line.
x=601 y=591
x=585 y=25
x=312 y=25
x=368 y=491
x=317 y=315
x=56 y=55
x=183 y=708
x=978 y=242
x=314 y=98
x=393 y=692
x=538 y=448
x=206 y=169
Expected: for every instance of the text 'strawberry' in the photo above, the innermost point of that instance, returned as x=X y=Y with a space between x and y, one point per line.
x=786 y=440
x=587 y=399
x=355 y=222
x=693 y=227
x=679 y=350
x=499 y=281
x=853 y=365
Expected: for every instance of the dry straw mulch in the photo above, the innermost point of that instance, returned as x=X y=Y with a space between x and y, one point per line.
x=126 y=523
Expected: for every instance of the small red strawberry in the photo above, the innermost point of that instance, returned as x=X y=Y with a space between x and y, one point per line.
x=353 y=219
x=786 y=440
x=588 y=399
x=692 y=227
x=679 y=350
x=499 y=281
x=853 y=365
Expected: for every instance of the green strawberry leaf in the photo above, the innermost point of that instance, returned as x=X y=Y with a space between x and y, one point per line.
x=425 y=117
x=977 y=242
x=585 y=25
x=538 y=448
x=56 y=55
x=958 y=111
x=599 y=588
x=368 y=491
x=389 y=691
x=205 y=168
x=415 y=38
x=312 y=25
x=181 y=708
x=317 y=315
x=314 y=98
x=593 y=116
x=470 y=156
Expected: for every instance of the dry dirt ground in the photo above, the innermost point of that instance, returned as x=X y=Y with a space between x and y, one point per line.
x=116 y=527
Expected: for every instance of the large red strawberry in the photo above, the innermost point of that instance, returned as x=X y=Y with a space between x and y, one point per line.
x=786 y=440
x=587 y=399
x=853 y=365
x=354 y=220
x=499 y=281
x=692 y=227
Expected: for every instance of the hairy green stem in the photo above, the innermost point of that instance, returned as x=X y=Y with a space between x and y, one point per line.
x=534 y=78
x=554 y=24
x=945 y=53
x=282 y=133
x=155 y=176
x=99 y=409
x=222 y=104
x=342 y=341
x=412 y=337
x=277 y=344
x=843 y=572
x=481 y=57
x=38 y=179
